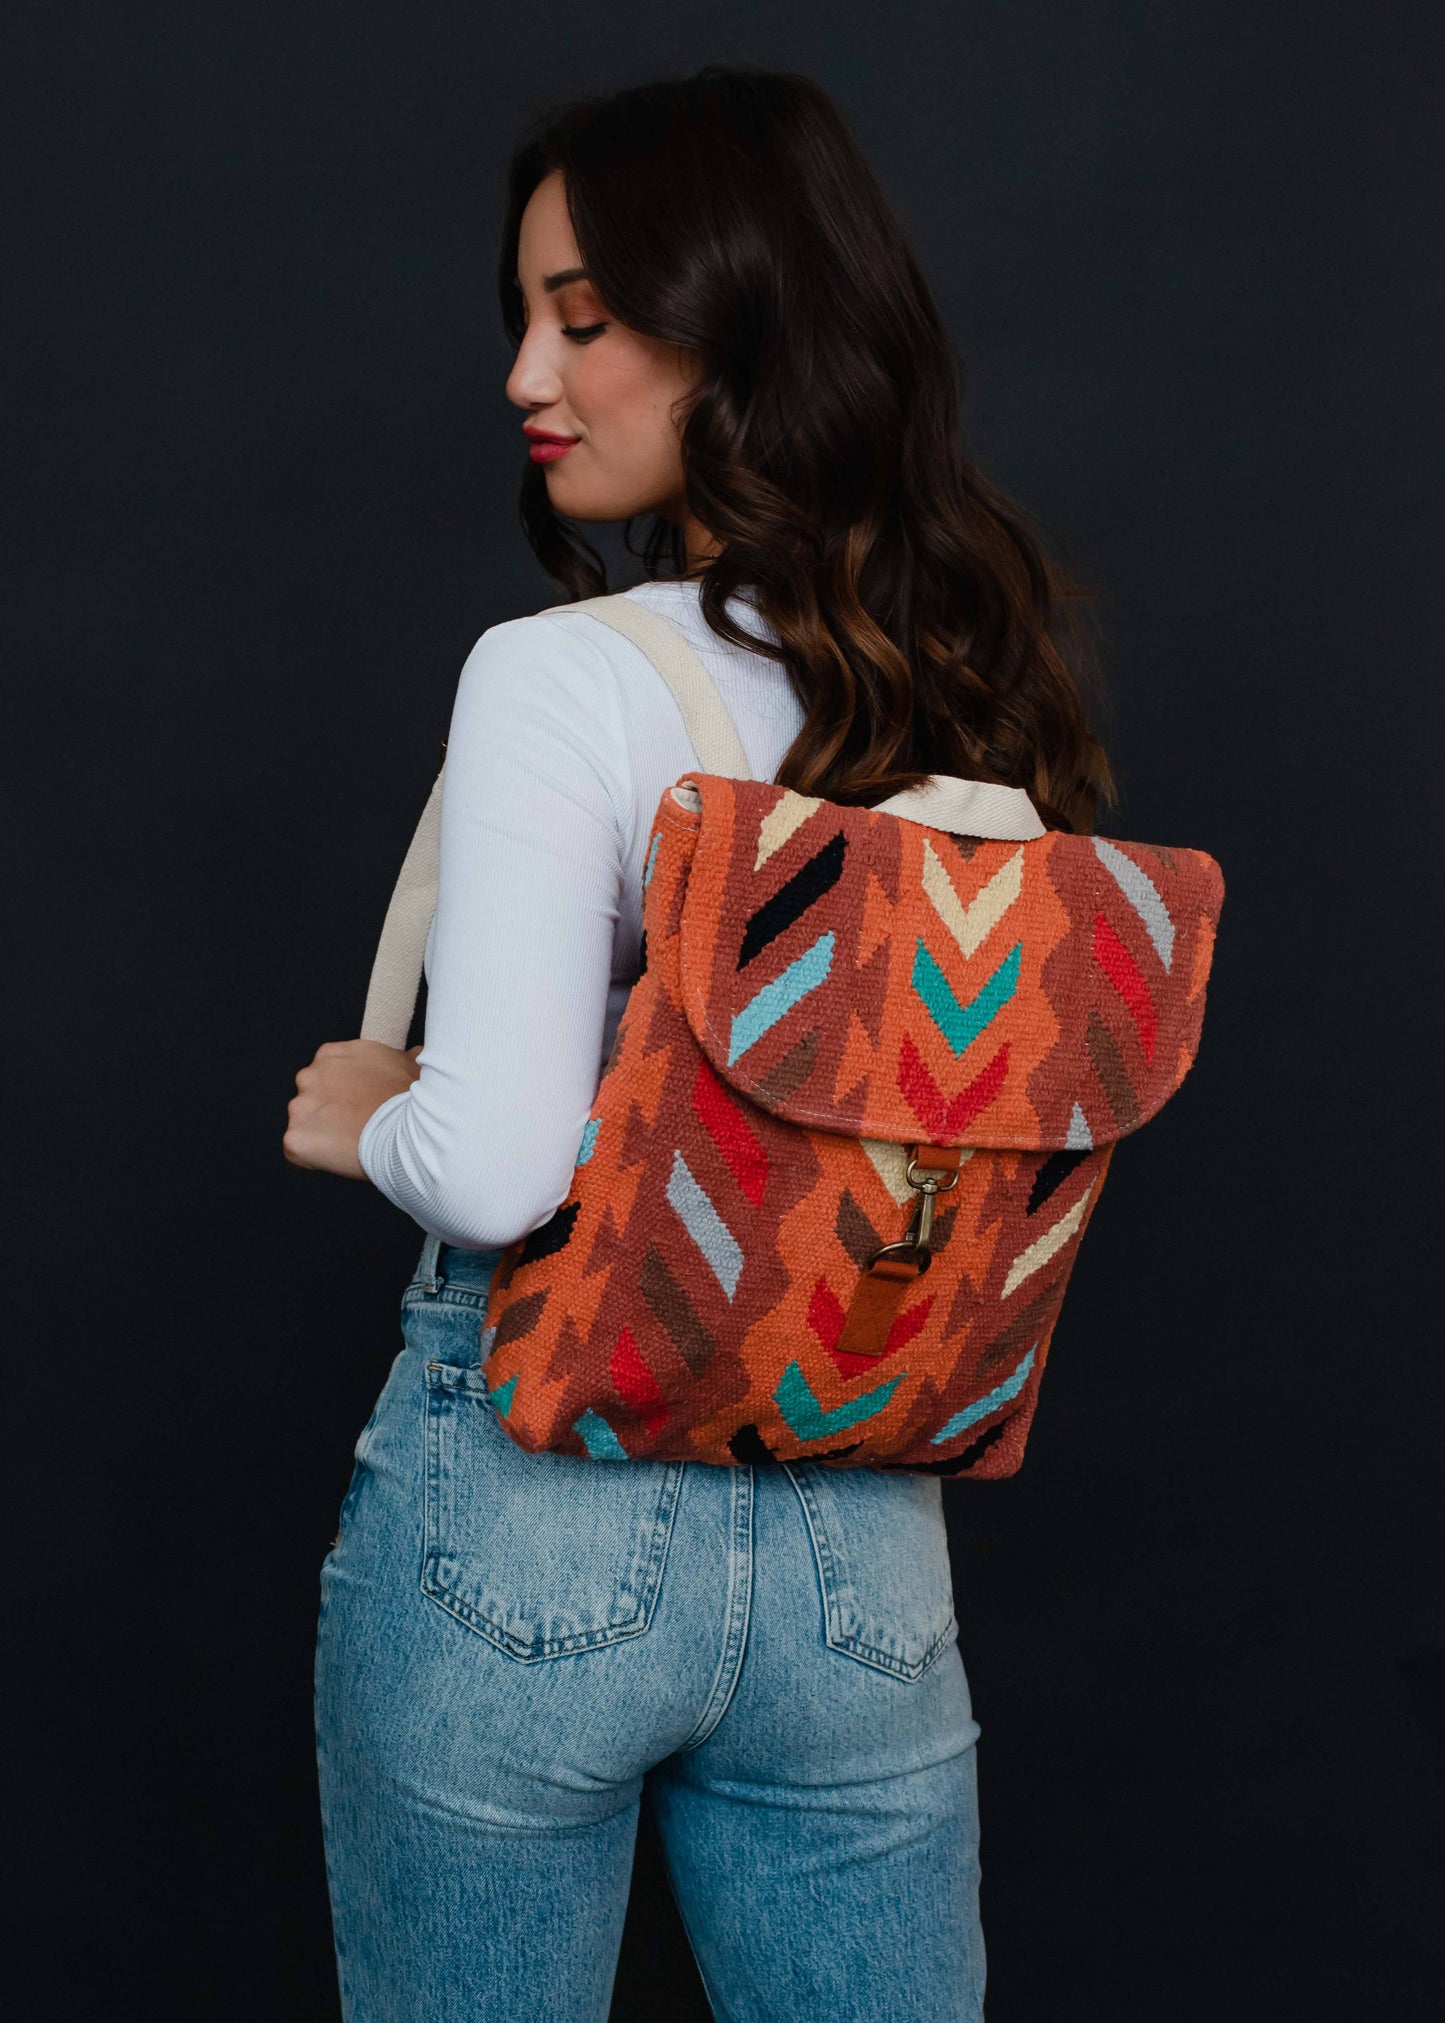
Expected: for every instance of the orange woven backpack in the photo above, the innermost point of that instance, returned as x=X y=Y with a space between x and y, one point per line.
x=857 y=1115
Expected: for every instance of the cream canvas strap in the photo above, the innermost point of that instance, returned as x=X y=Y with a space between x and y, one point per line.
x=396 y=972
x=709 y=727
x=967 y=808
x=943 y=801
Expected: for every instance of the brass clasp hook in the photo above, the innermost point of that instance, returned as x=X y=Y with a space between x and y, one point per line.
x=930 y=1182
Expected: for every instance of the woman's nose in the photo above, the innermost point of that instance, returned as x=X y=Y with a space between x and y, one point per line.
x=532 y=381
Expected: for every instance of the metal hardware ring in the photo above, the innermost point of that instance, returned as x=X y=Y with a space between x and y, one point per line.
x=906 y=1249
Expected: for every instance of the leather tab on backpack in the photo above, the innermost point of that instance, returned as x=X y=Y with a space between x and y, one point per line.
x=944 y=1158
x=880 y=1288
x=874 y=1307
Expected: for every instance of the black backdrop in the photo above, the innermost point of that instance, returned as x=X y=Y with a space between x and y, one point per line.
x=263 y=479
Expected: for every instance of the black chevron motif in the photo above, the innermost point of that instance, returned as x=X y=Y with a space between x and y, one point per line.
x=959 y=1462
x=748 y=1446
x=1057 y=1167
x=554 y=1234
x=792 y=900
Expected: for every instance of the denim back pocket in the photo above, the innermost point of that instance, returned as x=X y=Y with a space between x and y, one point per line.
x=544 y=1555
x=883 y=1567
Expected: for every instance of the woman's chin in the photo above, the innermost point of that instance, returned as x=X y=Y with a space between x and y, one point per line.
x=583 y=502
x=568 y=496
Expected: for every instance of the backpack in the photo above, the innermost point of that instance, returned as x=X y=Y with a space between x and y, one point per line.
x=856 y=1117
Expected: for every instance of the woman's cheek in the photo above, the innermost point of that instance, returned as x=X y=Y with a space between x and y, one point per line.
x=610 y=381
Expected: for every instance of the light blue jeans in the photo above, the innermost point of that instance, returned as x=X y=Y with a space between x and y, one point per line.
x=510 y=1644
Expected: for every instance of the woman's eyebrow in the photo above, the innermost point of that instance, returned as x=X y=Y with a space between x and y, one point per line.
x=552 y=282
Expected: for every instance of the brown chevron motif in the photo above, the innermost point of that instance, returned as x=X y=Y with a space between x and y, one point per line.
x=826 y=987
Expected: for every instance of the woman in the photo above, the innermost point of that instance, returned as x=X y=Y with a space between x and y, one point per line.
x=718 y=325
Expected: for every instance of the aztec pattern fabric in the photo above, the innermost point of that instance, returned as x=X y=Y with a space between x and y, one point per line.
x=825 y=987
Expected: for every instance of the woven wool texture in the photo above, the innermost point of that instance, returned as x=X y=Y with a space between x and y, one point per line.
x=825 y=986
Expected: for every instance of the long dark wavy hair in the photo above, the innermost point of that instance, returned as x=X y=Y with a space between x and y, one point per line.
x=923 y=625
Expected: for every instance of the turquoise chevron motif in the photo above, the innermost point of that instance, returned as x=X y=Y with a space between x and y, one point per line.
x=589 y=1140
x=598 y=1438
x=795 y=1400
x=1001 y=1394
x=762 y=1012
x=959 y=1023
x=647 y=868
x=502 y=1397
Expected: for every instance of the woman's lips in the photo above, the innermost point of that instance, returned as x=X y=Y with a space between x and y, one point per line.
x=546 y=451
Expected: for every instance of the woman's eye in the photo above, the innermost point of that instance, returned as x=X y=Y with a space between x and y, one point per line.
x=583 y=332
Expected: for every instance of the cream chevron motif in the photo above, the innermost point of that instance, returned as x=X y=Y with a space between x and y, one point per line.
x=890 y=1163
x=1048 y=1245
x=825 y=988
x=782 y=822
x=971 y=925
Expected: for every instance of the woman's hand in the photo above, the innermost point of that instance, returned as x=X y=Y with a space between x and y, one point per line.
x=334 y=1097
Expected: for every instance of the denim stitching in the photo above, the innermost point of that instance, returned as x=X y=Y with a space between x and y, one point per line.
x=446 y=1379
x=828 y=1580
x=416 y=1295
x=737 y=1609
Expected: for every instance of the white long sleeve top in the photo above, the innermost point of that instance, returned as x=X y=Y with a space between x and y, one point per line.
x=563 y=739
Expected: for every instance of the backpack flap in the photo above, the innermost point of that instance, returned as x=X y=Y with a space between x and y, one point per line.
x=860 y=973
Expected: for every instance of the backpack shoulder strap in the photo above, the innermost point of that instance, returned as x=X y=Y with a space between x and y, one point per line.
x=391 y=993
x=396 y=972
x=710 y=728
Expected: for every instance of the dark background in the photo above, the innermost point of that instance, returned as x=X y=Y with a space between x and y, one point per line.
x=263 y=477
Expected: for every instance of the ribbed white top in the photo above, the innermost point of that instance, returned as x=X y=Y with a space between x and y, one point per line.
x=563 y=739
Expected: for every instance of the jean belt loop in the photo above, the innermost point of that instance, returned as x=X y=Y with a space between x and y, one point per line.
x=429 y=1269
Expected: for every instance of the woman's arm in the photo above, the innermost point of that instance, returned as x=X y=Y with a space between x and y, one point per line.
x=536 y=812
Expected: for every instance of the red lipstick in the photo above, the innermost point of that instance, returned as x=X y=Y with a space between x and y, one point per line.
x=545 y=447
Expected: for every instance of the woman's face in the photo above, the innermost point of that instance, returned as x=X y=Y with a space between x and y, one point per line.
x=582 y=375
